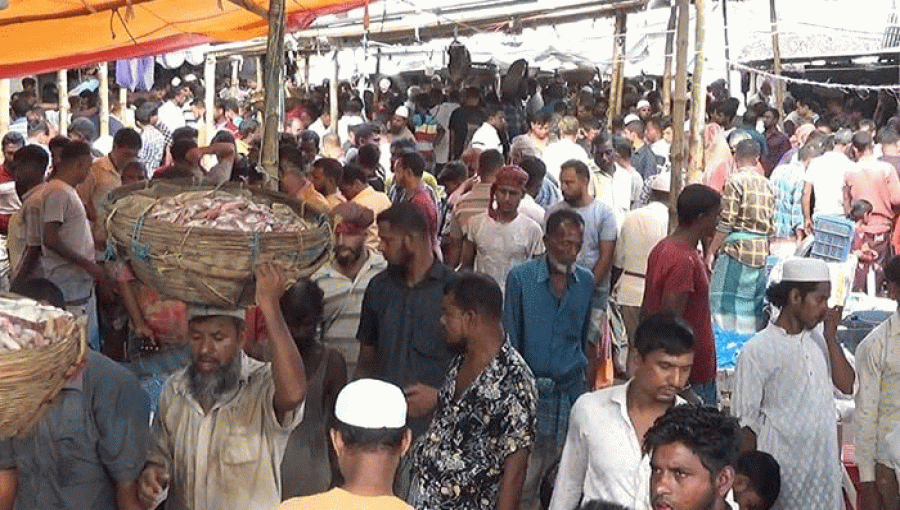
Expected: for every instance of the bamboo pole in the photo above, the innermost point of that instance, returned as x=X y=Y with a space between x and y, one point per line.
x=235 y=79
x=103 y=71
x=273 y=82
x=679 y=113
x=209 y=98
x=618 y=68
x=727 y=51
x=4 y=105
x=776 y=59
x=333 y=94
x=62 y=87
x=698 y=90
x=667 y=63
x=259 y=73
x=123 y=107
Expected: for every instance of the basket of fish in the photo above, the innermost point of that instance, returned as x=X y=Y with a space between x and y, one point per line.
x=201 y=243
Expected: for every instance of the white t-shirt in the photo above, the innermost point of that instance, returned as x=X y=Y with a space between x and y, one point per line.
x=626 y=185
x=500 y=246
x=442 y=113
x=60 y=203
x=486 y=138
x=826 y=174
x=561 y=151
x=171 y=115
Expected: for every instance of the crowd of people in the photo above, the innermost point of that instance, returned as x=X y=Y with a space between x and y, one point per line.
x=521 y=326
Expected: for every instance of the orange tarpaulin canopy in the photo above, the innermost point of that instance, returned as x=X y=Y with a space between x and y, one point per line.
x=45 y=35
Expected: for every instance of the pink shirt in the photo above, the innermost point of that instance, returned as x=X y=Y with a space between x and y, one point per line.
x=877 y=182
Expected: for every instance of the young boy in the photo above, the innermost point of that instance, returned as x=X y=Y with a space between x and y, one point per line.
x=860 y=212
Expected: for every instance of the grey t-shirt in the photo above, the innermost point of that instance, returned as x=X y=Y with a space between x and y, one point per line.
x=599 y=225
x=94 y=433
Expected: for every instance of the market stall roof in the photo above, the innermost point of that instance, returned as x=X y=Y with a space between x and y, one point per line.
x=45 y=35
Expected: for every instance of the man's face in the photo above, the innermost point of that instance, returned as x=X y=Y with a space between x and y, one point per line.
x=498 y=121
x=564 y=244
x=289 y=179
x=603 y=156
x=397 y=123
x=453 y=321
x=652 y=133
x=9 y=150
x=83 y=167
x=198 y=111
x=812 y=307
x=668 y=134
x=768 y=120
x=320 y=182
x=710 y=221
x=644 y=112
x=348 y=246
x=662 y=376
x=308 y=152
x=214 y=343
x=394 y=245
x=679 y=480
x=540 y=131
x=803 y=110
x=508 y=198
x=121 y=155
x=572 y=186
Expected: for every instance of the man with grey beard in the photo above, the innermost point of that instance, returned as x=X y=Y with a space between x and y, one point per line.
x=223 y=422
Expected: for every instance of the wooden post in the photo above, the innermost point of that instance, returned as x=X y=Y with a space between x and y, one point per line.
x=776 y=60
x=618 y=70
x=209 y=98
x=333 y=93
x=123 y=107
x=62 y=87
x=259 y=73
x=273 y=82
x=698 y=90
x=235 y=64
x=667 y=65
x=103 y=71
x=727 y=52
x=679 y=113
x=4 y=105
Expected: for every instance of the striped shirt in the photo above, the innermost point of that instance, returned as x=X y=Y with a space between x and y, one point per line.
x=343 y=302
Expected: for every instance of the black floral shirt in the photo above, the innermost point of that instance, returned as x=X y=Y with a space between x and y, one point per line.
x=460 y=459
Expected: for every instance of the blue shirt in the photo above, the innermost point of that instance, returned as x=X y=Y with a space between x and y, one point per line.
x=550 y=334
x=787 y=184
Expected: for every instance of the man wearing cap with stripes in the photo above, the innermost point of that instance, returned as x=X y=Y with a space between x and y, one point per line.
x=223 y=422
x=369 y=437
x=783 y=388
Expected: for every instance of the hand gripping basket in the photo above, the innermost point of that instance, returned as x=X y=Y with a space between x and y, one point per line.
x=204 y=265
x=32 y=377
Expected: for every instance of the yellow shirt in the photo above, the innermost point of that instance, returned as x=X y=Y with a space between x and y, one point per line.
x=375 y=201
x=312 y=197
x=101 y=179
x=339 y=499
x=335 y=199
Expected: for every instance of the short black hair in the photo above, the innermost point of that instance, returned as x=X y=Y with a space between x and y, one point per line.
x=892 y=270
x=452 y=172
x=359 y=438
x=309 y=136
x=489 y=162
x=353 y=173
x=82 y=126
x=664 y=331
x=75 y=150
x=535 y=168
x=13 y=138
x=778 y=293
x=180 y=148
x=368 y=155
x=888 y=136
x=858 y=210
x=412 y=161
x=862 y=140
x=476 y=292
x=57 y=142
x=331 y=167
x=713 y=437
x=40 y=289
x=223 y=136
x=146 y=111
x=561 y=217
x=291 y=153
x=601 y=505
x=305 y=295
x=696 y=200
x=539 y=117
x=746 y=149
x=185 y=132
x=764 y=474
x=32 y=155
x=578 y=166
x=623 y=146
x=405 y=217
x=127 y=138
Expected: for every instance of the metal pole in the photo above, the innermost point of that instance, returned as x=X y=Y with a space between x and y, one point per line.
x=698 y=90
x=62 y=86
x=103 y=70
x=273 y=80
x=209 y=98
x=680 y=104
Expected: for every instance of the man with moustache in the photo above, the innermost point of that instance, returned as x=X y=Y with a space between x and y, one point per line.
x=783 y=385
x=602 y=458
x=345 y=280
x=693 y=451
x=485 y=413
x=223 y=422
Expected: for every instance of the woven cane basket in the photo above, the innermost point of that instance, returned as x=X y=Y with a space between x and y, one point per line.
x=31 y=378
x=204 y=265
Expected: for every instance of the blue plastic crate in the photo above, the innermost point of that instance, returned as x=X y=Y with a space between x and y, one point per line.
x=832 y=237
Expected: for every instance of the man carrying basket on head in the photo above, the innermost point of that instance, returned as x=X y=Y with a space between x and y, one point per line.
x=223 y=422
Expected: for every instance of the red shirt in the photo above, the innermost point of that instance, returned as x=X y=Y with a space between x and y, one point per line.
x=425 y=204
x=678 y=268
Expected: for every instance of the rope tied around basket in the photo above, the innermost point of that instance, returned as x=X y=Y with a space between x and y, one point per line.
x=139 y=250
x=255 y=245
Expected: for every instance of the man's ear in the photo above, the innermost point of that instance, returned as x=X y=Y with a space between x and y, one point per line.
x=741 y=483
x=338 y=441
x=724 y=481
x=407 y=441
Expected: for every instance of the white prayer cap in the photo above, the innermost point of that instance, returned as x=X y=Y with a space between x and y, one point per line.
x=643 y=103
x=196 y=310
x=402 y=111
x=384 y=84
x=630 y=118
x=662 y=182
x=805 y=270
x=371 y=404
x=190 y=78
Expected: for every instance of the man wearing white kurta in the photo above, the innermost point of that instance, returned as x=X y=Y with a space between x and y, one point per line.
x=602 y=458
x=783 y=389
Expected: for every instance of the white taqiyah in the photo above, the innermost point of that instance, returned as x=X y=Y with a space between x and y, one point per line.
x=371 y=404
x=805 y=270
